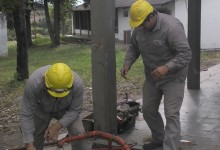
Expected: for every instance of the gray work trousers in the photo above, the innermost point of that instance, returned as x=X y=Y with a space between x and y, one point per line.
x=173 y=92
x=74 y=129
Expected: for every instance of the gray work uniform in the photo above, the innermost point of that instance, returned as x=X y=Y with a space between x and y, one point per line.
x=39 y=107
x=167 y=45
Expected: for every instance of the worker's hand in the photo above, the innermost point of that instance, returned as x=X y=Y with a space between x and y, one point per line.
x=124 y=71
x=160 y=72
x=51 y=134
x=30 y=146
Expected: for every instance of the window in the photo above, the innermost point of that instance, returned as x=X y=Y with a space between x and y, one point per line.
x=82 y=20
x=125 y=12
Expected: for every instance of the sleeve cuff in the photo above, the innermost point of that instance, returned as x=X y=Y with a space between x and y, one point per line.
x=128 y=63
x=28 y=139
x=171 y=66
x=65 y=124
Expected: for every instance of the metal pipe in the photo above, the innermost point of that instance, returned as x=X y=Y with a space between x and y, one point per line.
x=101 y=134
x=107 y=136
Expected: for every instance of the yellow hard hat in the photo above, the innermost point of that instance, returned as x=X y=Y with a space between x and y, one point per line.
x=59 y=80
x=139 y=10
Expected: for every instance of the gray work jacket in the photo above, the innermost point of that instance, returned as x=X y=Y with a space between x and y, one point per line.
x=37 y=101
x=165 y=45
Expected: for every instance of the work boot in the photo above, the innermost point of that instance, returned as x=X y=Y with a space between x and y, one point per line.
x=151 y=145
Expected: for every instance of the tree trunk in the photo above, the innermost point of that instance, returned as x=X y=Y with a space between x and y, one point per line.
x=28 y=22
x=22 y=53
x=28 y=26
x=63 y=27
x=62 y=16
x=73 y=23
x=49 y=25
x=57 y=22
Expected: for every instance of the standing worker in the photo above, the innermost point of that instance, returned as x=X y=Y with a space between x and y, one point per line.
x=161 y=41
x=52 y=91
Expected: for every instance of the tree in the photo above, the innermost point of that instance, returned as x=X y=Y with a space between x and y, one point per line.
x=49 y=24
x=54 y=31
x=59 y=12
x=20 y=29
x=65 y=12
x=9 y=6
x=57 y=22
x=17 y=9
x=29 y=7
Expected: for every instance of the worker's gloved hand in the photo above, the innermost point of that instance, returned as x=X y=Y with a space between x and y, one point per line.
x=30 y=146
x=51 y=134
x=124 y=71
x=160 y=72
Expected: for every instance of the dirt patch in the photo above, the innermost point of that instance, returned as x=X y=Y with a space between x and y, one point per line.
x=209 y=63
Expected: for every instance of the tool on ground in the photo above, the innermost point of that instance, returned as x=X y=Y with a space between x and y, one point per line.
x=126 y=114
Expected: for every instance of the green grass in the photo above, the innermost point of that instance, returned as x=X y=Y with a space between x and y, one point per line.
x=136 y=74
x=77 y=56
x=206 y=55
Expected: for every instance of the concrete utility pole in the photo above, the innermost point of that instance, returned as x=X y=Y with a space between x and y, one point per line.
x=3 y=36
x=194 y=32
x=104 y=64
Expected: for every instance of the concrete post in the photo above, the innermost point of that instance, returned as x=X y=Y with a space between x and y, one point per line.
x=194 y=32
x=104 y=65
x=3 y=36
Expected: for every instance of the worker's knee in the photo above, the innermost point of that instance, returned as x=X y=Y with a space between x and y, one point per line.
x=172 y=114
x=149 y=112
x=76 y=127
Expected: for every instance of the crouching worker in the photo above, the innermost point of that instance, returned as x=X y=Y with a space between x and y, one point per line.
x=52 y=91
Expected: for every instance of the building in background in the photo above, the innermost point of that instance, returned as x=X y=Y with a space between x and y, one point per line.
x=3 y=36
x=210 y=21
x=82 y=22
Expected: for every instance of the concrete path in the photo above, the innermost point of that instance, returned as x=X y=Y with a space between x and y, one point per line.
x=200 y=119
x=200 y=116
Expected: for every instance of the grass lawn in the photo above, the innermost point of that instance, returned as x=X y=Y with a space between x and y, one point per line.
x=77 y=56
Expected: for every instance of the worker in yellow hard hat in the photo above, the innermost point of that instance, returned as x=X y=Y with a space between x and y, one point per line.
x=140 y=11
x=53 y=91
x=161 y=41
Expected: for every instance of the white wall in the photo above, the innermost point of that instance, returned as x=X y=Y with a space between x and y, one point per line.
x=3 y=36
x=122 y=24
x=181 y=12
x=210 y=22
x=83 y=32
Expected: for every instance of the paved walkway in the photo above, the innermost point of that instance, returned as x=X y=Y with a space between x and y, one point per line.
x=200 y=118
